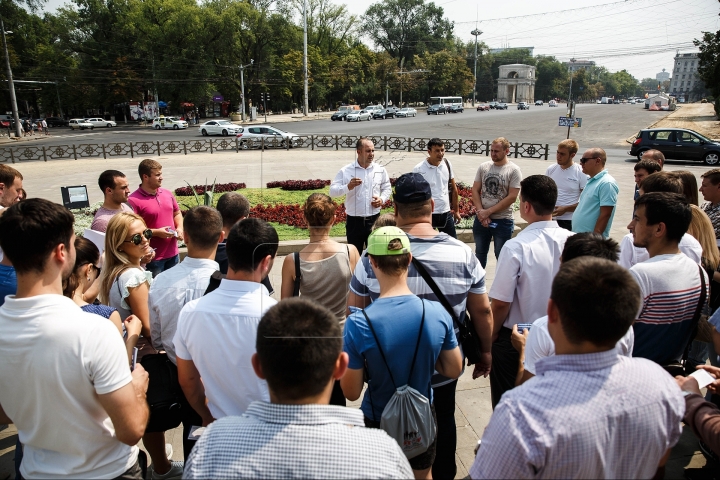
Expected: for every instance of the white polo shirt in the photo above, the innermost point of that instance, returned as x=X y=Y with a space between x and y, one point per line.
x=631 y=255
x=525 y=271
x=570 y=182
x=438 y=178
x=217 y=332
x=375 y=183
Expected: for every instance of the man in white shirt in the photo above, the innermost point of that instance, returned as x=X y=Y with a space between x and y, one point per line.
x=65 y=381
x=570 y=181
x=174 y=288
x=437 y=171
x=523 y=276
x=215 y=337
x=366 y=186
x=116 y=190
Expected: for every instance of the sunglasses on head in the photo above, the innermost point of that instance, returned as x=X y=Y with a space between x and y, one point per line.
x=137 y=238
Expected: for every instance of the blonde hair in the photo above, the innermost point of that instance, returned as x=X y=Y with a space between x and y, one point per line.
x=502 y=141
x=702 y=230
x=115 y=260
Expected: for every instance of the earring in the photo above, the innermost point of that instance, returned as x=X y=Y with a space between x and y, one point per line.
x=88 y=278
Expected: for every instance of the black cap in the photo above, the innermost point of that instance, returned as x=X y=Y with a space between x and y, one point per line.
x=411 y=188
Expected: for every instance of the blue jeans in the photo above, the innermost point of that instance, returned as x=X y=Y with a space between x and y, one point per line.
x=156 y=267
x=499 y=235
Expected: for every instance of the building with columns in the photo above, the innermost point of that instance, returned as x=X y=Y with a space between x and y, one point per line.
x=516 y=83
x=684 y=76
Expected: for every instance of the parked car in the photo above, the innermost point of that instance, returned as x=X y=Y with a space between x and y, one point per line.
x=100 y=122
x=56 y=122
x=384 y=114
x=406 y=112
x=456 y=109
x=552 y=103
x=339 y=115
x=219 y=127
x=492 y=105
x=169 y=122
x=539 y=103
x=482 y=107
x=373 y=108
x=80 y=124
x=523 y=106
x=252 y=137
x=436 y=109
x=501 y=106
x=677 y=144
x=358 y=116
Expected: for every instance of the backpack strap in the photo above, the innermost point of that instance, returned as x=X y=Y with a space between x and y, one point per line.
x=298 y=275
x=215 y=280
x=696 y=316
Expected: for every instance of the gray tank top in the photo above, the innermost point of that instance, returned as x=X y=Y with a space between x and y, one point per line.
x=327 y=282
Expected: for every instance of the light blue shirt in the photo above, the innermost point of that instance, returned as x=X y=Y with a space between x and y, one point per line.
x=600 y=191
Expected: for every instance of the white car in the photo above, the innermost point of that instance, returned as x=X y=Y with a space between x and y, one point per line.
x=552 y=103
x=358 y=115
x=406 y=112
x=219 y=127
x=80 y=123
x=168 y=122
x=100 y=122
x=272 y=135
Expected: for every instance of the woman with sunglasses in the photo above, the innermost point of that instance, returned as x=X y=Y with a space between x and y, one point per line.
x=80 y=281
x=124 y=285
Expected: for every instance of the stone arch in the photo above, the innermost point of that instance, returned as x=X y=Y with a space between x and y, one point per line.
x=516 y=83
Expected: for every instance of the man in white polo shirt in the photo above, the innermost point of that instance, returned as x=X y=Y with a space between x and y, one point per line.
x=437 y=171
x=570 y=181
x=525 y=270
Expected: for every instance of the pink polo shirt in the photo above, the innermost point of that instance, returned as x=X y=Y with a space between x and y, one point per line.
x=158 y=211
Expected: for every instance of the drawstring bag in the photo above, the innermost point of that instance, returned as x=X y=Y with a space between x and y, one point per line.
x=407 y=417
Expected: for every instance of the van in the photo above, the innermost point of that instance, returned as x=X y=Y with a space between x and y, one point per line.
x=607 y=100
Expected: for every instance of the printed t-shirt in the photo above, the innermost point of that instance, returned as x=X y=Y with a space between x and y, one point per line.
x=496 y=182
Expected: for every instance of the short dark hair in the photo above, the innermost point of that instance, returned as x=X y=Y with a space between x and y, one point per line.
x=672 y=209
x=597 y=299
x=249 y=242
x=298 y=343
x=147 y=166
x=650 y=166
x=233 y=207
x=713 y=176
x=435 y=142
x=107 y=179
x=541 y=192
x=30 y=230
x=590 y=244
x=361 y=140
x=203 y=226
x=8 y=175
x=414 y=209
x=662 y=182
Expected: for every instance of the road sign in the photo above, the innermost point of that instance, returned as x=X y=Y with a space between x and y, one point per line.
x=570 y=122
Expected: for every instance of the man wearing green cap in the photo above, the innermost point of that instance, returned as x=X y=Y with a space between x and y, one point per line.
x=400 y=323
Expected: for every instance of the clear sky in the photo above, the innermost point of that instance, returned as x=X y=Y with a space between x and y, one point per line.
x=640 y=36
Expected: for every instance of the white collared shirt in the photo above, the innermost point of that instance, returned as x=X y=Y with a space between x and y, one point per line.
x=217 y=333
x=170 y=292
x=525 y=271
x=438 y=178
x=631 y=255
x=375 y=182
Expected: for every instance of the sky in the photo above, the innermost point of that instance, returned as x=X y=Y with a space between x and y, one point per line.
x=640 y=36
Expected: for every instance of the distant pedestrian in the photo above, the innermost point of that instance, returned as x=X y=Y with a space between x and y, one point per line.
x=45 y=127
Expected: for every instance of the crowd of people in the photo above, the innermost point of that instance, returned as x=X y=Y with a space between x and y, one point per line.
x=588 y=343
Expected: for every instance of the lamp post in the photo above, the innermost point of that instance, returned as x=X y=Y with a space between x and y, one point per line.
x=476 y=33
x=570 y=110
x=242 y=89
x=305 y=61
x=11 y=85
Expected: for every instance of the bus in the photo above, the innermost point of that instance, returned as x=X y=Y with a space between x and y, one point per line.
x=447 y=101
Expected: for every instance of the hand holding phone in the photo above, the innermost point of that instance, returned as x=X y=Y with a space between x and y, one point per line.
x=171 y=231
x=134 y=359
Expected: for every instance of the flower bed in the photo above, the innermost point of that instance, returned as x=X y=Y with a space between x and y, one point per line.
x=299 y=184
x=200 y=189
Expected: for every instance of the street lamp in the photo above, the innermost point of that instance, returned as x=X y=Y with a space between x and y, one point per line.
x=11 y=85
x=242 y=89
x=476 y=33
x=570 y=110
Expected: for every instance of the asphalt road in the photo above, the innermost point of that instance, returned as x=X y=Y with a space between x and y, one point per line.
x=606 y=126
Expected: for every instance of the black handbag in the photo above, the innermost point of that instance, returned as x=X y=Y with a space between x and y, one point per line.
x=163 y=395
x=467 y=336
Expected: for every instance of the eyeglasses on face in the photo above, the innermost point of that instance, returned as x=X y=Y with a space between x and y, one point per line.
x=585 y=159
x=137 y=238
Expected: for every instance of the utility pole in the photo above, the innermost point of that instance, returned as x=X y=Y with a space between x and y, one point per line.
x=13 y=99
x=476 y=33
x=305 y=61
x=402 y=61
x=57 y=89
x=242 y=89
x=387 y=92
x=155 y=94
x=571 y=109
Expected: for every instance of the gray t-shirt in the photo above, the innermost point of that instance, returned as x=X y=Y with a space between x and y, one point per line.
x=495 y=184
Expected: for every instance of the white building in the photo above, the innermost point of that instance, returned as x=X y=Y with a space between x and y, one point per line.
x=579 y=64
x=662 y=76
x=684 y=76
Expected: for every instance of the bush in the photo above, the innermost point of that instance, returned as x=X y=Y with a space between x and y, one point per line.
x=200 y=189
x=299 y=184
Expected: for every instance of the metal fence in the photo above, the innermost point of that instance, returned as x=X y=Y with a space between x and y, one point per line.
x=312 y=142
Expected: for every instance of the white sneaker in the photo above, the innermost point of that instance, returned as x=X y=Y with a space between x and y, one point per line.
x=168 y=451
x=175 y=472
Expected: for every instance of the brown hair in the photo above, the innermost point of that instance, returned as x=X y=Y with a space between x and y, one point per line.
x=203 y=225
x=414 y=210
x=570 y=145
x=690 y=186
x=650 y=166
x=713 y=175
x=662 y=182
x=8 y=175
x=504 y=141
x=319 y=210
x=85 y=253
x=392 y=265
x=147 y=166
x=384 y=220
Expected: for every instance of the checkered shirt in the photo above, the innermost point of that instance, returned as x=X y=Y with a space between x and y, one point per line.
x=713 y=211
x=295 y=441
x=596 y=415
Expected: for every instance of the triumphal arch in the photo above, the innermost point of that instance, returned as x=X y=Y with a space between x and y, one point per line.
x=516 y=83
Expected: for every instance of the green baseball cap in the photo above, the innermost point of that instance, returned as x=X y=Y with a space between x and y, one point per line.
x=379 y=240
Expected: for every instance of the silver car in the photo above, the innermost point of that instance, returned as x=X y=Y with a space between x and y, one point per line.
x=358 y=115
x=406 y=112
x=254 y=136
x=101 y=122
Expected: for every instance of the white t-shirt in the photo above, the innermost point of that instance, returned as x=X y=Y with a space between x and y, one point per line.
x=631 y=255
x=438 y=178
x=217 y=332
x=56 y=360
x=570 y=182
x=526 y=268
x=539 y=344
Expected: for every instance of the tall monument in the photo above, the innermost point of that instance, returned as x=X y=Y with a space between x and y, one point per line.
x=516 y=83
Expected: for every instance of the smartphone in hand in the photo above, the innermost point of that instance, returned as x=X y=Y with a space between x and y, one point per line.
x=134 y=359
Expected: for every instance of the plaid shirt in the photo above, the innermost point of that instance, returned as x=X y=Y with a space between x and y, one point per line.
x=296 y=441
x=713 y=211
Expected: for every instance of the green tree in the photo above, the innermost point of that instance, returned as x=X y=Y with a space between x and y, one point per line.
x=709 y=64
x=448 y=74
x=551 y=76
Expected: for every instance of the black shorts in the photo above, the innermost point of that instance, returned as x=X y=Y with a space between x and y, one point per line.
x=424 y=460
